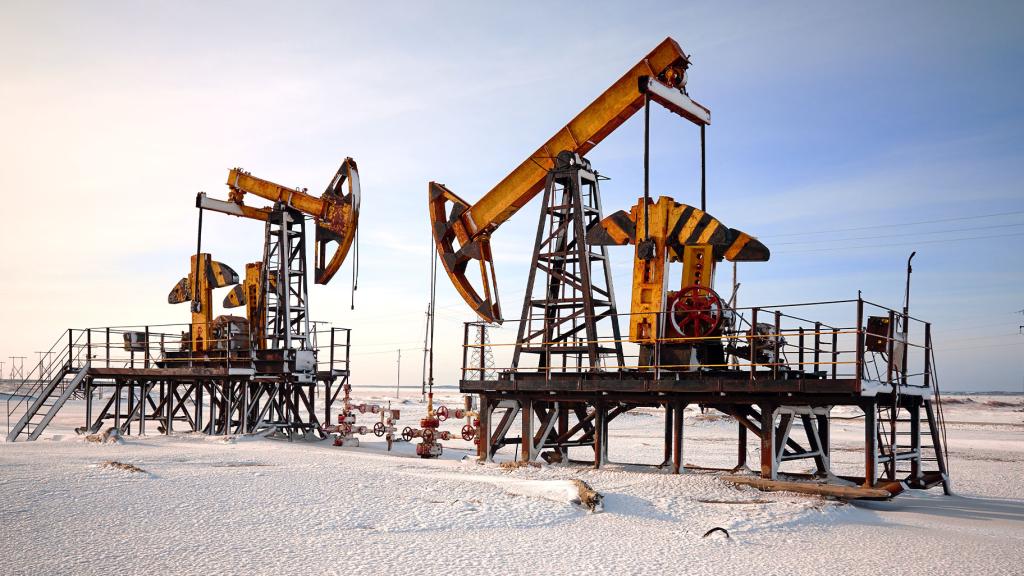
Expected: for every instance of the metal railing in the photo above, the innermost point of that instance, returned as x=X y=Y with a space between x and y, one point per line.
x=163 y=346
x=63 y=358
x=333 y=346
x=824 y=340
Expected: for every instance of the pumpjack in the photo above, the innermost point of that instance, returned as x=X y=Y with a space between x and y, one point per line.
x=273 y=290
x=229 y=374
x=692 y=346
x=462 y=231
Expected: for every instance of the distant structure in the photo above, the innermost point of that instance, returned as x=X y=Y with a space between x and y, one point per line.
x=17 y=367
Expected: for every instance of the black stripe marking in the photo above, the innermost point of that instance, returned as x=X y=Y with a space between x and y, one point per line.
x=673 y=237
x=623 y=221
x=699 y=228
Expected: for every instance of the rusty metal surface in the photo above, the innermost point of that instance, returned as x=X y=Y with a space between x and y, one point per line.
x=677 y=383
x=335 y=212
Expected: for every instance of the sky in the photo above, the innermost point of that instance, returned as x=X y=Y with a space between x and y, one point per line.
x=844 y=136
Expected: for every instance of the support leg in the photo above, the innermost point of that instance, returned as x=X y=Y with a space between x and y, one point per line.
x=483 y=436
x=117 y=404
x=669 y=410
x=526 y=446
x=563 y=427
x=741 y=447
x=88 y=403
x=915 y=441
x=143 y=400
x=170 y=407
x=824 y=435
x=768 y=470
x=677 y=437
x=814 y=444
x=199 y=407
x=870 y=445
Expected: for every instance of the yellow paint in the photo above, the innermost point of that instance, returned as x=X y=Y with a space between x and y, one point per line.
x=202 y=302
x=737 y=245
x=698 y=266
x=336 y=216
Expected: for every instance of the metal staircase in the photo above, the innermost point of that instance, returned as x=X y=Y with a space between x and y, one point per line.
x=904 y=424
x=46 y=389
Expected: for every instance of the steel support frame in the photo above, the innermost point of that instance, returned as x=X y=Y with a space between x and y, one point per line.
x=581 y=419
x=216 y=406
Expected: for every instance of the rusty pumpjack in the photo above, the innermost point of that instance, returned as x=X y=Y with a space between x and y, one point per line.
x=680 y=333
x=273 y=342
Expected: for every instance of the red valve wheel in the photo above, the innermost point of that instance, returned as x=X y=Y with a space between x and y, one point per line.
x=378 y=429
x=441 y=413
x=407 y=434
x=428 y=435
x=468 y=433
x=696 y=312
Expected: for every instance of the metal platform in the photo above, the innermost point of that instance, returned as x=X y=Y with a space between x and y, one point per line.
x=141 y=380
x=784 y=398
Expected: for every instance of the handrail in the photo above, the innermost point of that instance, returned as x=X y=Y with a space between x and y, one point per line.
x=35 y=381
x=792 y=342
x=94 y=345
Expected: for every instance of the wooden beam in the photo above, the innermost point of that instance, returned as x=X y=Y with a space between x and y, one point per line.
x=837 y=491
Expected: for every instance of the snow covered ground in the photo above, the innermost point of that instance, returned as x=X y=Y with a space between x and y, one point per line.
x=253 y=505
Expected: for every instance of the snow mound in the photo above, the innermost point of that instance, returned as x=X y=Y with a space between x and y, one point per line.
x=571 y=491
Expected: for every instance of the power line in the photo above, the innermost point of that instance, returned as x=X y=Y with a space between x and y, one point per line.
x=948 y=231
x=375 y=344
x=391 y=351
x=957 y=219
x=986 y=346
x=902 y=244
x=966 y=338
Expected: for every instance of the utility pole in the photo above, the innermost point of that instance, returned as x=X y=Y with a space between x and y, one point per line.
x=17 y=368
x=45 y=364
x=398 y=376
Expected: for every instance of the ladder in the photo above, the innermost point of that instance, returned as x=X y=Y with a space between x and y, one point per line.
x=909 y=437
x=47 y=387
x=50 y=398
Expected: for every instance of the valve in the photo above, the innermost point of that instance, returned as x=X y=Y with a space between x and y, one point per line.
x=468 y=432
x=408 y=434
x=432 y=450
x=442 y=413
x=378 y=429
